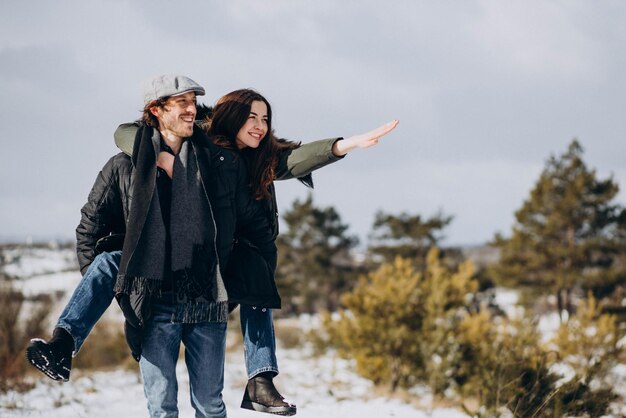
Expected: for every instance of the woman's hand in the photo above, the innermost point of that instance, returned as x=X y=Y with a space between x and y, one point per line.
x=165 y=161
x=366 y=140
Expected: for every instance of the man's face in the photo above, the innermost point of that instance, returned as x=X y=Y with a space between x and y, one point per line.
x=177 y=115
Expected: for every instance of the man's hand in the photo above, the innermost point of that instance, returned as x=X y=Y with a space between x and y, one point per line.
x=366 y=140
x=165 y=161
x=113 y=242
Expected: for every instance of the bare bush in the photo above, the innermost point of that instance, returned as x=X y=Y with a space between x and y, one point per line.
x=290 y=334
x=105 y=348
x=16 y=326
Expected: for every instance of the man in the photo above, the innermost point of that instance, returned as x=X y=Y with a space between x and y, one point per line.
x=178 y=236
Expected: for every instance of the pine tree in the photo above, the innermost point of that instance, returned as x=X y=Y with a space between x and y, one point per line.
x=398 y=321
x=315 y=264
x=567 y=235
x=502 y=365
x=406 y=236
x=589 y=343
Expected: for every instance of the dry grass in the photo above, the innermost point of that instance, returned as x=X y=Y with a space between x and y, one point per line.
x=105 y=349
x=289 y=333
x=16 y=328
x=234 y=340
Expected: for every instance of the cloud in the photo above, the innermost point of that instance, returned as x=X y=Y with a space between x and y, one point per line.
x=485 y=91
x=37 y=71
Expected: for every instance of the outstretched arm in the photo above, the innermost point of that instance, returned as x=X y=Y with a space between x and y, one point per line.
x=366 y=140
x=298 y=162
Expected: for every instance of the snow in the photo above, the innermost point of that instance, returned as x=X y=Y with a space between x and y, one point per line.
x=52 y=283
x=24 y=263
x=565 y=371
x=321 y=386
x=548 y=326
x=507 y=300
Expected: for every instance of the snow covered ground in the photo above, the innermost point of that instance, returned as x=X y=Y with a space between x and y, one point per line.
x=321 y=387
x=28 y=262
x=324 y=386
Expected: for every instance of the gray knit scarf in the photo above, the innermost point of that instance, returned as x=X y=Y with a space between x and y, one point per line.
x=200 y=295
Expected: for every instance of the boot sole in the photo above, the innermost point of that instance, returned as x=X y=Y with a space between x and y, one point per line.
x=38 y=359
x=276 y=410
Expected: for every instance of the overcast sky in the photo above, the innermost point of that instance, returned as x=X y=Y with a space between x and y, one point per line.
x=485 y=92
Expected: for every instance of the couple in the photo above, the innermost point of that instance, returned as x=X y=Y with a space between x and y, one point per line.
x=193 y=192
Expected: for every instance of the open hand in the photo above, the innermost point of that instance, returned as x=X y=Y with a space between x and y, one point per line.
x=365 y=140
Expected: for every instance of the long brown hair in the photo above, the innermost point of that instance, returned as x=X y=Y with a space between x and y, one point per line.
x=226 y=119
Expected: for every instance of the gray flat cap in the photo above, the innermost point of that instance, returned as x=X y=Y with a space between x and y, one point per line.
x=169 y=85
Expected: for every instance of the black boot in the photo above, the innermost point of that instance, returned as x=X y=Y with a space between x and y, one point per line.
x=54 y=357
x=261 y=395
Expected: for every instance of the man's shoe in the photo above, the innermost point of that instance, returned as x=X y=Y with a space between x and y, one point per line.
x=261 y=395
x=53 y=358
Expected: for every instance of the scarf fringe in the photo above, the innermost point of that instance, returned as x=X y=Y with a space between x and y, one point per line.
x=195 y=312
x=138 y=285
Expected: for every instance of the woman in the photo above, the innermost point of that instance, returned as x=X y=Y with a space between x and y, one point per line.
x=240 y=120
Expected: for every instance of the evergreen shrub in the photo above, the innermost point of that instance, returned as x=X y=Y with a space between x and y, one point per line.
x=398 y=322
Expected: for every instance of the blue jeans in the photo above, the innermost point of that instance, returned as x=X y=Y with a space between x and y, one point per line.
x=259 y=340
x=205 y=348
x=91 y=298
x=94 y=294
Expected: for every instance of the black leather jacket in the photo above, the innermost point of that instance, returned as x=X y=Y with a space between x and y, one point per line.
x=293 y=163
x=234 y=208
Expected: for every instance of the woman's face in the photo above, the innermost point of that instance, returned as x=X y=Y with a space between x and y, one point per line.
x=255 y=128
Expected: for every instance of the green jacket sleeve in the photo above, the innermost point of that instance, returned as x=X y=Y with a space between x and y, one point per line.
x=292 y=163
x=125 y=137
x=305 y=159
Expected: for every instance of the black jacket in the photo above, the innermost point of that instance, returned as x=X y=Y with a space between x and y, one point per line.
x=106 y=210
x=223 y=173
x=292 y=163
